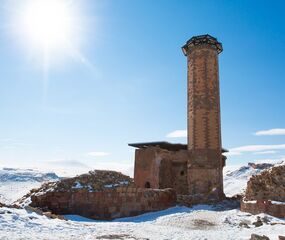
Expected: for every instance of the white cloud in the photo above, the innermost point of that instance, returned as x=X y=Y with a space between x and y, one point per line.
x=270 y=132
x=98 y=154
x=231 y=153
x=255 y=149
x=271 y=160
x=11 y=143
x=266 y=152
x=177 y=134
x=68 y=163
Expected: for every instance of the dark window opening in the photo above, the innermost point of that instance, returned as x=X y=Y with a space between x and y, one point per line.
x=182 y=173
x=147 y=185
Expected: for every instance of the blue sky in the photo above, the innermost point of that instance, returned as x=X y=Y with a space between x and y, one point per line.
x=128 y=82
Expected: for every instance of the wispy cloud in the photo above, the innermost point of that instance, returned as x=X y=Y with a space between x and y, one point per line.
x=11 y=143
x=229 y=153
x=271 y=132
x=68 y=163
x=255 y=149
x=265 y=152
x=271 y=160
x=98 y=154
x=177 y=134
x=64 y=167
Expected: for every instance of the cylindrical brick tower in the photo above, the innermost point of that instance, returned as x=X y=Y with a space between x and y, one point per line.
x=205 y=165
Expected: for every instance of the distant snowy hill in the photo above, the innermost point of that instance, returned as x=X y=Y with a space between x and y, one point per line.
x=14 y=183
x=25 y=175
x=236 y=177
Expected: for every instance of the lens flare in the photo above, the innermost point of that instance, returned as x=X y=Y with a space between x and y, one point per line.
x=52 y=27
x=47 y=22
x=49 y=31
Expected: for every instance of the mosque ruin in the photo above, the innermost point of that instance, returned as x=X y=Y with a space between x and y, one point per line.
x=165 y=174
x=196 y=169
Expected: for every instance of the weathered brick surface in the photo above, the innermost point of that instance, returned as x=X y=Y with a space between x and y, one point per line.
x=264 y=188
x=269 y=185
x=107 y=204
x=197 y=171
x=161 y=169
x=206 y=163
x=263 y=206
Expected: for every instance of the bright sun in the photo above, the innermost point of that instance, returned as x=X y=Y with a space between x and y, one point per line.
x=47 y=22
x=48 y=25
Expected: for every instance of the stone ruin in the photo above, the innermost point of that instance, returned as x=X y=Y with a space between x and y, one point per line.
x=165 y=173
x=162 y=165
x=265 y=193
x=100 y=195
x=195 y=170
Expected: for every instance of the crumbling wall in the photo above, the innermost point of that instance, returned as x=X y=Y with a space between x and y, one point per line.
x=161 y=169
x=269 y=185
x=179 y=175
x=263 y=206
x=107 y=204
x=206 y=183
x=147 y=165
x=265 y=193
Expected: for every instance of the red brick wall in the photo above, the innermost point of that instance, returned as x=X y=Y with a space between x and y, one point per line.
x=162 y=169
x=109 y=204
x=263 y=206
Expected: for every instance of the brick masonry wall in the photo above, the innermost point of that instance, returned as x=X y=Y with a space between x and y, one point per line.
x=161 y=169
x=263 y=206
x=205 y=166
x=270 y=185
x=107 y=204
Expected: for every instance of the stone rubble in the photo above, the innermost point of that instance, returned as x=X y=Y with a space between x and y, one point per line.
x=269 y=185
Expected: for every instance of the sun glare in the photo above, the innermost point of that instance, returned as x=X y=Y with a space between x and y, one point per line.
x=49 y=32
x=47 y=22
x=52 y=27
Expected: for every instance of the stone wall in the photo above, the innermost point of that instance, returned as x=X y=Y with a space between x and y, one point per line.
x=265 y=193
x=160 y=168
x=269 y=185
x=107 y=204
x=206 y=182
x=263 y=206
x=147 y=163
x=205 y=167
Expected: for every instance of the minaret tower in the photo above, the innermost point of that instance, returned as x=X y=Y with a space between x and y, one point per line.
x=205 y=166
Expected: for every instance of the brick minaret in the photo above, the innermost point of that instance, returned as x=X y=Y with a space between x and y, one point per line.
x=204 y=128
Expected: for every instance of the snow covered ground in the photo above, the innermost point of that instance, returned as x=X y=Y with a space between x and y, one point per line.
x=200 y=222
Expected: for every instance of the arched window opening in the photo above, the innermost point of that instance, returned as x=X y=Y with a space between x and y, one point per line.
x=147 y=185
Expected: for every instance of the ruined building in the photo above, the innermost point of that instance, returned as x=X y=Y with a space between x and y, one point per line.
x=165 y=173
x=195 y=169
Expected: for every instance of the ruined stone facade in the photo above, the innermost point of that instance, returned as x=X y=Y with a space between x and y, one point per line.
x=165 y=173
x=265 y=193
x=263 y=206
x=195 y=169
x=106 y=204
x=268 y=185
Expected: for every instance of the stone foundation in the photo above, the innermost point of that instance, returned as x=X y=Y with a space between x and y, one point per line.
x=107 y=204
x=263 y=206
